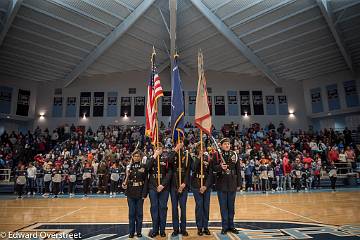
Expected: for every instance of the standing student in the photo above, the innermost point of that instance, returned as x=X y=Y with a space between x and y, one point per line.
x=228 y=181
x=201 y=193
x=136 y=188
x=56 y=179
x=179 y=190
x=88 y=173
x=20 y=174
x=114 y=178
x=159 y=193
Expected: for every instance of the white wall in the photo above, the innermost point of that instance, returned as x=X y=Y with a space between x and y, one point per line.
x=219 y=82
x=344 y=116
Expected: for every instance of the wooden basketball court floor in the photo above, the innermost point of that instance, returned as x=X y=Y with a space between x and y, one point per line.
x=320 y=208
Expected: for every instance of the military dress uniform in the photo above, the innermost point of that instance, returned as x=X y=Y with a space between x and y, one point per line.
x=226 y=184
x=136 y=191
x=202 y=200
x=159 y=200
x=179 y=199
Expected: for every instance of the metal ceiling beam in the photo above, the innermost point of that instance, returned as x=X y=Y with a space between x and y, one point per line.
x=173 y=17
x=108 y=41
x=328 y=15
x=241 y=9
x=10 y=18
x=61 y=19
x=229 y=35
x=80 y=12
x=284 y=19
x=104 y=10
x=56 y=30
x=262 y=13
x=289 y=39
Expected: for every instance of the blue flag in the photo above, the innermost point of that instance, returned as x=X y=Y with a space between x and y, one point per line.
x=177 y=105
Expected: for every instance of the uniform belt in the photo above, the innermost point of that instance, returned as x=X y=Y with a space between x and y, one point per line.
x=155 y=175
x=200 y=176
x=137 y=184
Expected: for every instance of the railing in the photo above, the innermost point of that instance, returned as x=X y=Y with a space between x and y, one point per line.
x=5 y=175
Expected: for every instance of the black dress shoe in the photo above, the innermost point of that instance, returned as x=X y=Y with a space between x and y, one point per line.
x=139 y=235
x=206 y=231
x=153 y=234
x=175 y=233
x=200 y=232
x=223 y=231
x=233 y=230
x=185 y=233
x=131 y=235
x=162 y=234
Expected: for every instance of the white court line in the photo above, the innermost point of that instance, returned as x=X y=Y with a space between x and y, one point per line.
x=67 y=214
x=269 y=205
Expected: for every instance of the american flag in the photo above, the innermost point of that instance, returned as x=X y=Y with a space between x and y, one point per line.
x=154 y=92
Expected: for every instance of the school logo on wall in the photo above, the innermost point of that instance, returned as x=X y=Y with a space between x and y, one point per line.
x=248 y=230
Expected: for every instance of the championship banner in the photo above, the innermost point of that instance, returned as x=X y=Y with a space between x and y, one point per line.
x=316 y=102
x=333 y=97
x=233 y=107
x=166 y=104
x=210 y=104
x=70 y=107
x=258 y=103
x=125 y=106
x=270 y=105
x=139 y=106
x=85 y=102
x=191 y=103
x=112 y=104
x=351 y=94
x=219 y=105
x=283 y=105
x=57 y=107
x=98 y=104
x=5 y=99
x=23 y=103
x=245 y=102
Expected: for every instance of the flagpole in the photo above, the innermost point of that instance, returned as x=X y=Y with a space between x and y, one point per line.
x=156 y=122
x=201 y=159
x=179 y=158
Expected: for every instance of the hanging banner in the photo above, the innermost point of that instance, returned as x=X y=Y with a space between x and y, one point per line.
x=219 y=105
x=333 y=97
x=98 y=104
x=258 y=103
x=316 y=102
x=270 y=105
x=85 y=102
x=351 y=94
x=192 y=103
x=23 y=103
x=5 y=99
x=245 y=102
x=125 y=107
x=233 y=107
x=70 y=107
x=57 y=107
x=166 y=104
x=139 y=106
x=283 y=105
x=112 y=104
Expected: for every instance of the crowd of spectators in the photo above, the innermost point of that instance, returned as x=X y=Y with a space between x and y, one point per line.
x=272 y=158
